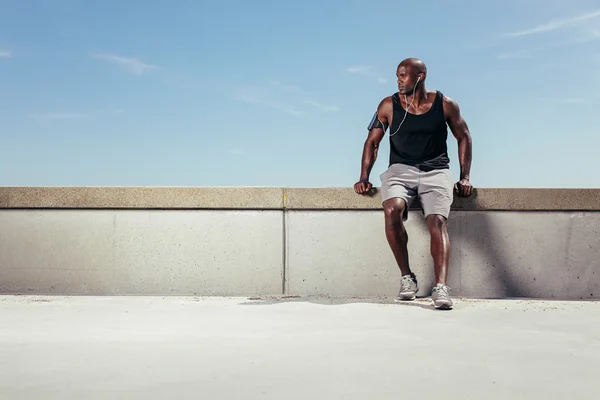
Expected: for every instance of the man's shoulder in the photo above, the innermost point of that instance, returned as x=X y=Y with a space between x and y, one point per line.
x=387 y=101
x=447 y=99
x=385 y=109
x=450 y=105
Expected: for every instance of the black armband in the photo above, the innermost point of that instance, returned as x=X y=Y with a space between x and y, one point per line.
x=376 y=123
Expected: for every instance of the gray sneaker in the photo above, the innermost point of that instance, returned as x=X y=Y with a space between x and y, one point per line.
x=408 y=288
x=440 y=296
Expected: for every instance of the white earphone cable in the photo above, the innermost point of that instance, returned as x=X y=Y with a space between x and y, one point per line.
x=408 y=107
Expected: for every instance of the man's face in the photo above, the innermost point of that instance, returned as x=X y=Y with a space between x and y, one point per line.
x=406 y=80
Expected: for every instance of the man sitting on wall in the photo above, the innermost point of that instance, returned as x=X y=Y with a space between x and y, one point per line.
x=418 y=166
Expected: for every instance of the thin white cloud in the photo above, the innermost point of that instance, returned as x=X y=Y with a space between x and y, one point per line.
x=287 y=98
x=322 y=107
x=259 y=98
x=555 y=24
x=75 y=115
x=5 y=54
x=305 y=98
x=57 y=116
x=366 y=71
x=130 y=64
x=585 y=35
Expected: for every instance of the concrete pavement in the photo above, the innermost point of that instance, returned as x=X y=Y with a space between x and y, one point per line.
x=295 y=348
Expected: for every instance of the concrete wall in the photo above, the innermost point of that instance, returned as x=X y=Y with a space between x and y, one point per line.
x=537 y=243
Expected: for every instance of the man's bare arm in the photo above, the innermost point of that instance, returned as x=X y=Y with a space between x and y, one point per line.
x=371 y=147
x=460 y=130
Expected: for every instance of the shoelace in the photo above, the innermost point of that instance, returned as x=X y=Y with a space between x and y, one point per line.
x=443 y=290
x=406 y=282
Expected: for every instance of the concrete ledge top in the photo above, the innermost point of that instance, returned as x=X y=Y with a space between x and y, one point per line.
x=279 y=198
x=142 y=197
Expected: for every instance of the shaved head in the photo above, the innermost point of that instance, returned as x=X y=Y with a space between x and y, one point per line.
x=411 y=73
x=414 y=65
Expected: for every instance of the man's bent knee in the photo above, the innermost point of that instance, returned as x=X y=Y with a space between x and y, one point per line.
x=394 y=209
x=436 y=222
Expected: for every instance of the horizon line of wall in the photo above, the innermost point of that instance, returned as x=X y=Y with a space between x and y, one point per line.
x=258 y=241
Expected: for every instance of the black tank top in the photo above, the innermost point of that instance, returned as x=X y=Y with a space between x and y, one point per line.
x=421 y=140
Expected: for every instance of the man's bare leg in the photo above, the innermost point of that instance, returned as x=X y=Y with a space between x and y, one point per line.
x=397 y=237
x=440 y=246
x=440 y=252
x=396 y=232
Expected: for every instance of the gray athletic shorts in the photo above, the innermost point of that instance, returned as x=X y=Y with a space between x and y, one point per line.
x=434 y=188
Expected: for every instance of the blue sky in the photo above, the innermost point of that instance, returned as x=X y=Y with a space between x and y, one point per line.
x=279 y=93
